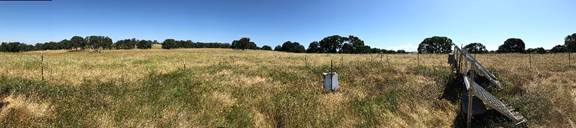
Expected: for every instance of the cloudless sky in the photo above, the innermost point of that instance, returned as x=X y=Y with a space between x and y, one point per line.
x=389 y=24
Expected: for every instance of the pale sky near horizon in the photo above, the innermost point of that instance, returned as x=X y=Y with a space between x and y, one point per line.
x=388 y=24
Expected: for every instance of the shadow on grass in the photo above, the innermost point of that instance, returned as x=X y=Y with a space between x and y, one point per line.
x=453 y=89
x=490 y=119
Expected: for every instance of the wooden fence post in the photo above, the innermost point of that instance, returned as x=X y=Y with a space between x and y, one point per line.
x=380 y=57
x=388 y=60
x=306 y=60
x=418 y=58
x=569 y=63
x=341 y=60
x=530 y=60
x=42 y=66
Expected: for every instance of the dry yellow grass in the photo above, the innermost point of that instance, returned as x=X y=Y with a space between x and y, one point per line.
x=234 y=88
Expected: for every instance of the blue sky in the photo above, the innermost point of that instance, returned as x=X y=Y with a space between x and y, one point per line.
x=389 y=24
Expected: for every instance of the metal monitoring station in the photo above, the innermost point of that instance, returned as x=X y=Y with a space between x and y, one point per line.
x=330 y=80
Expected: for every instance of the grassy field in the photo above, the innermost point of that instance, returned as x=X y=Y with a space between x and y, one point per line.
x=234 y=88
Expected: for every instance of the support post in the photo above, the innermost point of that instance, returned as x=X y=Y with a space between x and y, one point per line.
x=306 y=60
x=342 y=60
x=530 y=60
x=380 y=57
x=418 y=58
x=469 y=109
x=42 y=66
x=388 y=60
x=469 y=89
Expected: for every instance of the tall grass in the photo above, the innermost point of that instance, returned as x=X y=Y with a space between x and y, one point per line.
x=233 y=88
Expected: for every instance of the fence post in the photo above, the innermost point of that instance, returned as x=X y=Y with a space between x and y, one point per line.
x=306 y=60
x=530 y=60
x=380 y=57
x=42 y=66
x=418 y=58
x=469 y=106
x=388 y=60
x=341 y=60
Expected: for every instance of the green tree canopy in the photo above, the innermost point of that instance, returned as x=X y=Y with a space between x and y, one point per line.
x=512 y=45
x=357 y=45
x=331 y=44
x=266 y=47
x=314 y=47
x=476 y=48
x=538 y=50
x=570 y=42
x=559 y=49
x=289 y=46
x=169 y=44
x=78 y=42
x=347 y=48
x=15 y=47
x=278 y=48
x=244 y=43
x=436 y=44
x=96 y=42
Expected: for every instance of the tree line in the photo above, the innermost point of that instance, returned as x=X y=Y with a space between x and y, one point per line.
x=438 y=44
x=104 y=42
x=331 y=44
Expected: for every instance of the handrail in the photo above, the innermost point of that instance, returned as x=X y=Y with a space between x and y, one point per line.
x=488 y=75
x=473 y=68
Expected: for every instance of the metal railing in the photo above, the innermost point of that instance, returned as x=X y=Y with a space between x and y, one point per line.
x=469 y=68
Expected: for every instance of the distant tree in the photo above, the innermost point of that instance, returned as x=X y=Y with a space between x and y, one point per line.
x=144 y=44
x=365 y=49
x=476 y=48
x=331 y=44
x=347 y=48
x=388 y=51
x=66 y=44
x=289 y=46
x=244 y=43
x=278 y=48
x=512 y=45
x=96 y=42
x=314 y=47
x=538 y=50
x=570 y=42
x=401 y=51
x=559 y=49
x=266 y=47
x=106 y=43
x=377 y=50
x=126 y=44
x=357 y=45
x=435 y=44
x=15 y=47
x=78 y=42
x=169 y=44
